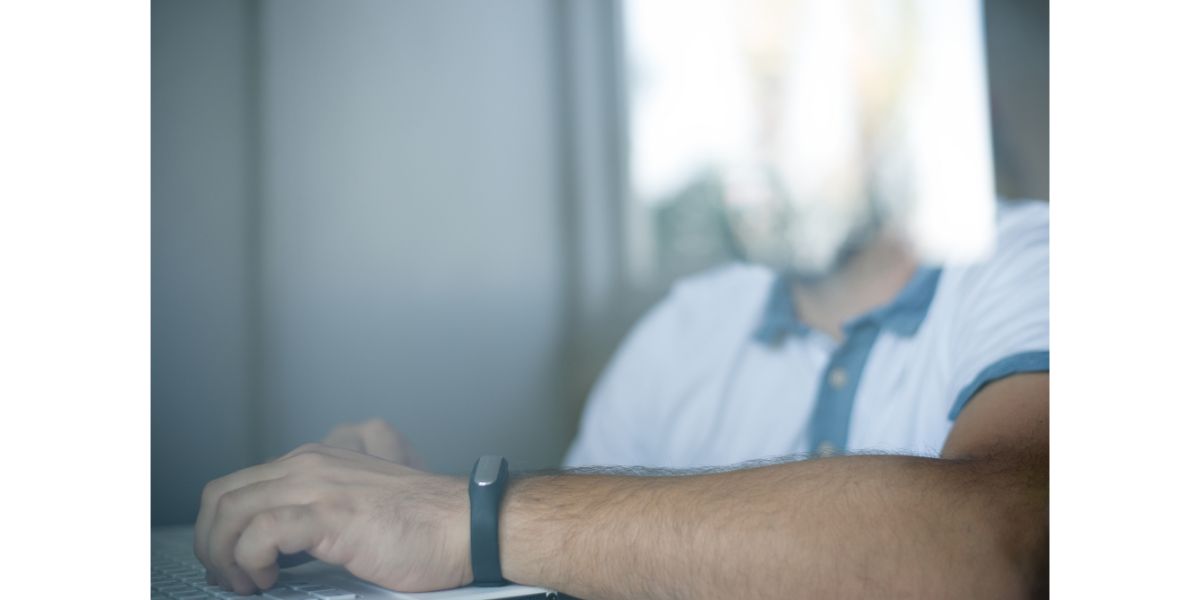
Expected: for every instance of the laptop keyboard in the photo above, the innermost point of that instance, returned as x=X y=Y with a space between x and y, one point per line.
x=175 y=574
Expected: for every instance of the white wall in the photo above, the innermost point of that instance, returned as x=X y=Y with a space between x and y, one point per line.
x=411 y=225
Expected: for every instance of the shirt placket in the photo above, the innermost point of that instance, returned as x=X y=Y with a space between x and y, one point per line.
x=839 y=385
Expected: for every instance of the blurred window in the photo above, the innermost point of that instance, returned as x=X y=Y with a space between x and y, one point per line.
x=750 y=116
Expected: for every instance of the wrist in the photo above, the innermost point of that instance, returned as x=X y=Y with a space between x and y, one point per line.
x=524 y=531
x=564 y=531
x=457 y=513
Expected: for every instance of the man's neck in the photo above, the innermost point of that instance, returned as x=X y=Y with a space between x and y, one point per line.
x=869 y=279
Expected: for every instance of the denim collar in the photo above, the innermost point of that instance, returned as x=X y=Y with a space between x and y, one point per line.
x=903 y=315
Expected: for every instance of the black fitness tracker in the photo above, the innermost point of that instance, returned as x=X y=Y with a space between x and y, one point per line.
x=489 y=479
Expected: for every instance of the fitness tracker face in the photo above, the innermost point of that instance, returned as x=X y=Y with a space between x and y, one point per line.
x=487 y=470
x=489 y=479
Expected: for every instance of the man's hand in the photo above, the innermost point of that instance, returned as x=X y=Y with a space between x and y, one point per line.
x=386 y=523
x=375 y=437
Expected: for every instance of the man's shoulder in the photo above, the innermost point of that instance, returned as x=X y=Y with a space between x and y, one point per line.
x=725 y=290
x=723 y=300
x=722 y=286
x=1013 y=279
x=1022 y=241
x=1021 y=218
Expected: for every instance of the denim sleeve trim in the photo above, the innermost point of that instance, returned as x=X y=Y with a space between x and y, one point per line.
x=1023 y=362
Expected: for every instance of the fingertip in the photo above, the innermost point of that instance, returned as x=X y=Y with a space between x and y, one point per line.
x=244 y=585
x=239 y=582
x=264 y=578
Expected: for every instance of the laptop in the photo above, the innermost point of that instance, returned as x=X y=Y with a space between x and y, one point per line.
x=176 y=574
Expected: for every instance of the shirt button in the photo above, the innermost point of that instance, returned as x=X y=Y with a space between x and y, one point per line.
x=826 y=449
x=838 y=378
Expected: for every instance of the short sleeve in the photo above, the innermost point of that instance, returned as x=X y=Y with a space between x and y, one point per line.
x=619 y=420
x=1002 y=326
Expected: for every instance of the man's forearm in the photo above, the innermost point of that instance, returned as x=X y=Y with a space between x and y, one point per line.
x=863 y=526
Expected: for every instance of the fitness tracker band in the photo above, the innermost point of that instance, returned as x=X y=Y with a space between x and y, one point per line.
x=489 y=479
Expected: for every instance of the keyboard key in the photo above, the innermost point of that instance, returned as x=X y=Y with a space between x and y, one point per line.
x=330 y=593
x=285 y=594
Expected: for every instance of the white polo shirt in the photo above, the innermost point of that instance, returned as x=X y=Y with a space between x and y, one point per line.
x=722 y=371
